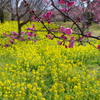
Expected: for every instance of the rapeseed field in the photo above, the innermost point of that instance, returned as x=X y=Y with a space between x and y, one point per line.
x=44 y=70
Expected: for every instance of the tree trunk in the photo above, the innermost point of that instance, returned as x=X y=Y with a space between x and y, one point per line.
x=64 y=19
x=1 y=16
x=19 y=28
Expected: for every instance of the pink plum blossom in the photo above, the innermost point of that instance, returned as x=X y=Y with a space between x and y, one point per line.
x=22 y=39
x=49 y=14
x=85 y=26
x=49 y=36
x=29 y=38
x=59 y=43
x=49 y=21
x=71 y=44
x=64 y=9
x=98 y=46
x=61 y=1
x=68 y=31
x=45 y=1
x=51 y=4
x=29 y=33
x=29 y=28
x=70 y=4
x=43 y=16
x=6 y=45
x=11 y=41
x=22 y=32
x=78 y=19
x=14 y=33
x=51 y=30
x=12 y=37
x=64 y=37
x=72 y=37
x=83 y=0
x=34 y=40
x=80 y=39
x=88 y=34
x=5 y=34
x=16 y=38
x=61 y=29
x=34 y=35
x=33 y=18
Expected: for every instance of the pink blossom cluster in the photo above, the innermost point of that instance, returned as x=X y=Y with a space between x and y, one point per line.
x=47 y=16
x=29 y=28
x=15 y=35
x=35 y=19
x=84 y=0
x=30 y=34
x=98 y=47
x=68 y=3
x=70 y=45
x=64 y=9
x=49 y=36
x=67 y=31
x=63 y=37
x=12 y=36
x=61 y=1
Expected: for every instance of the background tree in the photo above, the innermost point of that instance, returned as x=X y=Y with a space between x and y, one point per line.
x=3 y=6
x=20 y=12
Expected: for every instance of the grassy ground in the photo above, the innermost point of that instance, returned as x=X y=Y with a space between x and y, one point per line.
x=94 y=28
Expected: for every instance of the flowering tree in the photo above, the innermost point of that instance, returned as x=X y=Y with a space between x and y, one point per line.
x=66 y=35
x=65 y=31
x=95 y=4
